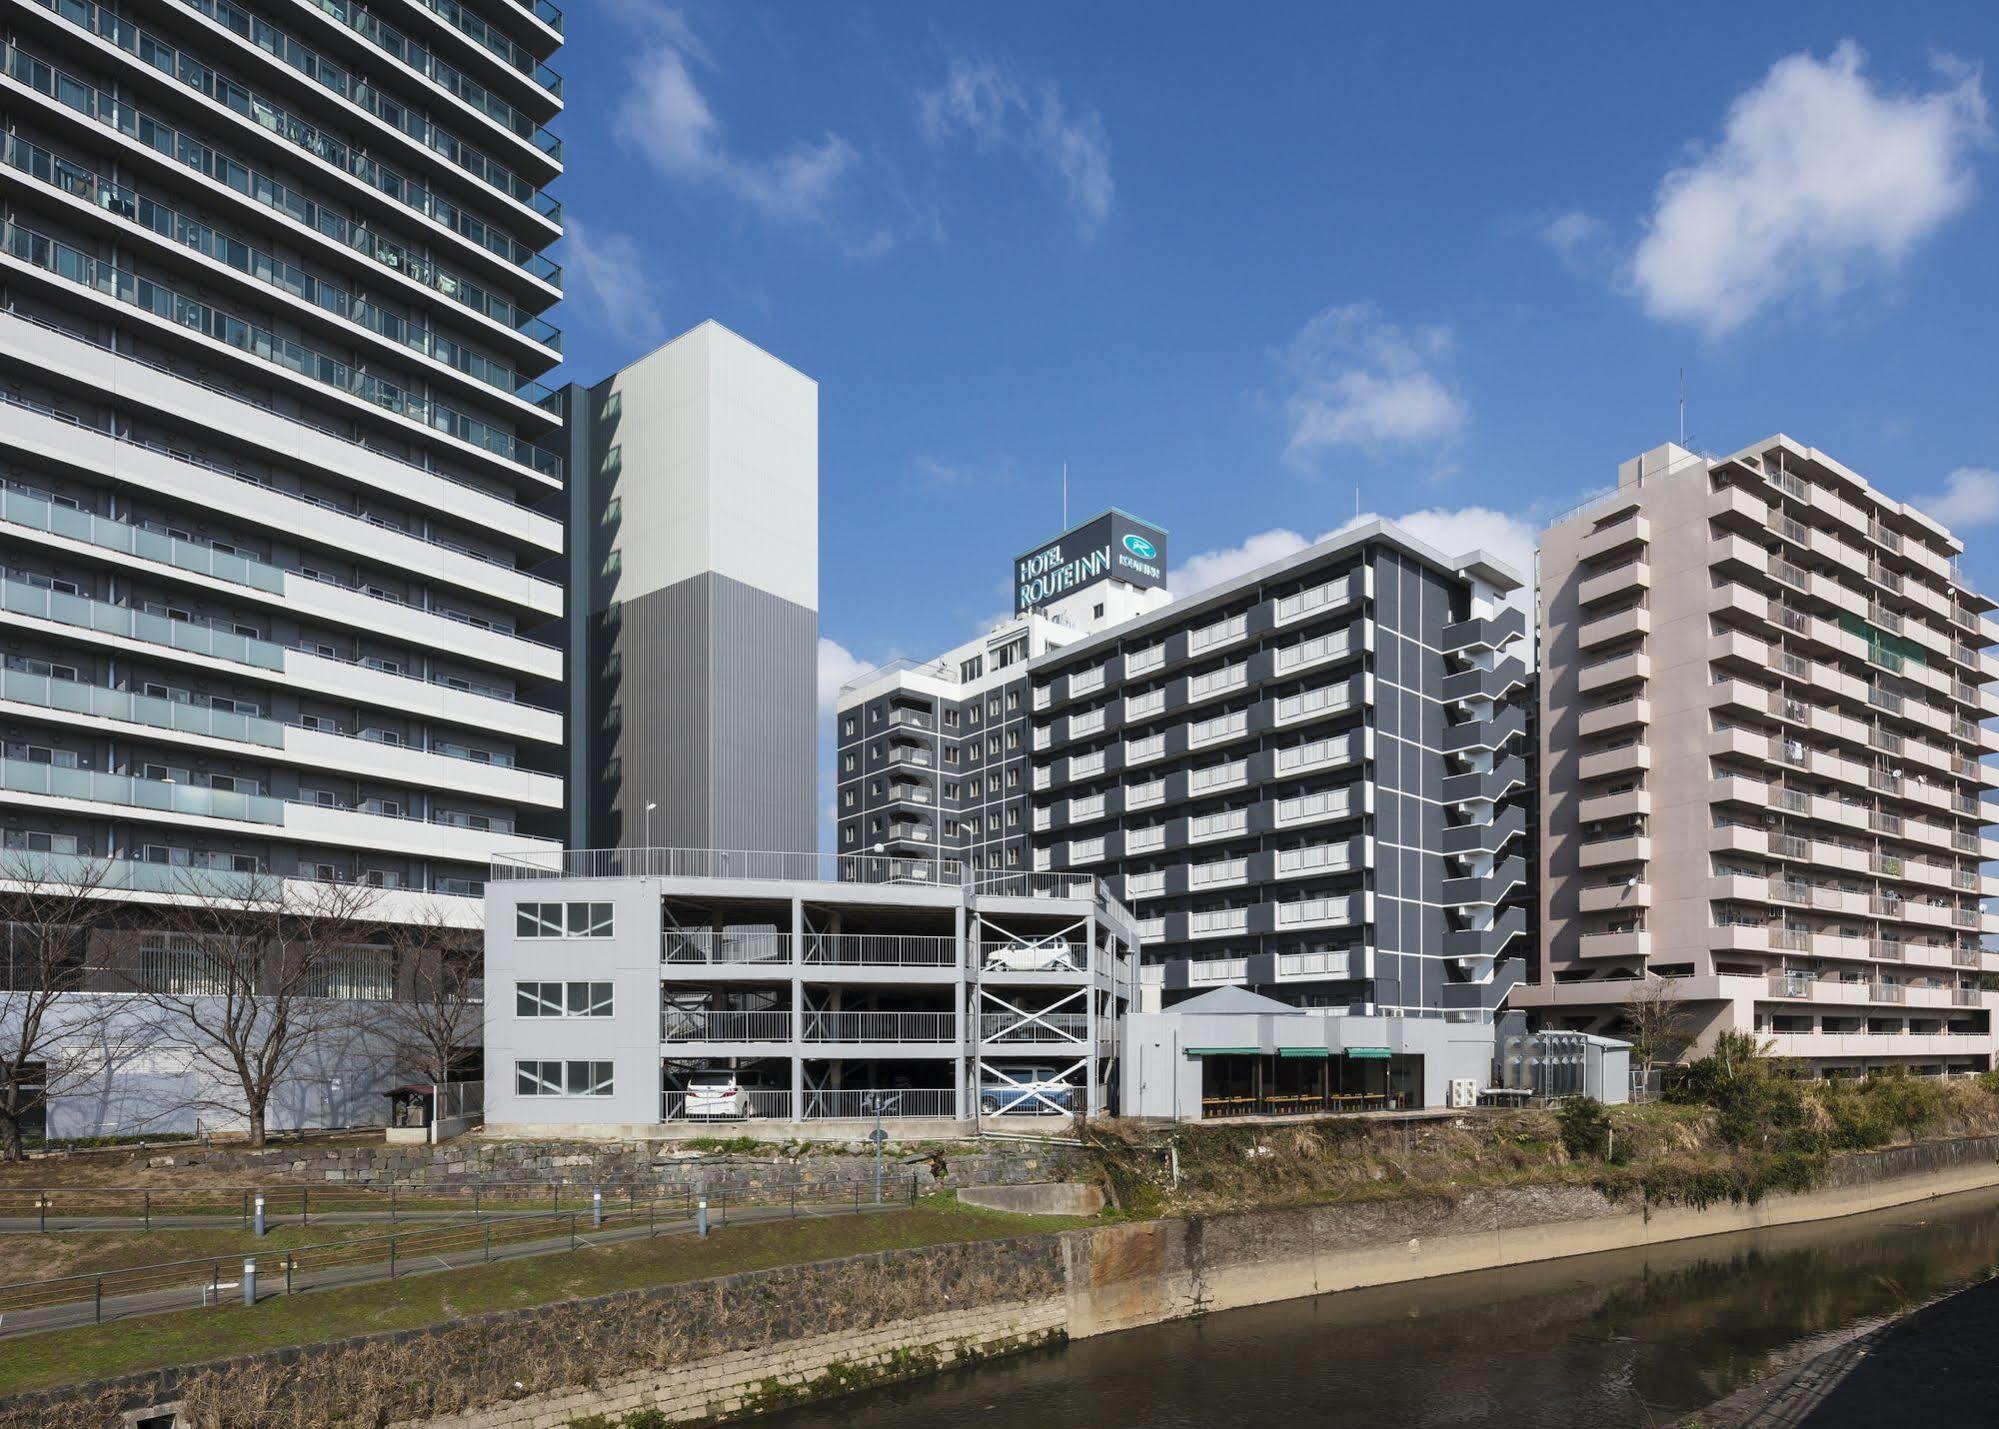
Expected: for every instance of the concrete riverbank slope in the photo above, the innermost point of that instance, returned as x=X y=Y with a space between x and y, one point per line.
x=746 y=1343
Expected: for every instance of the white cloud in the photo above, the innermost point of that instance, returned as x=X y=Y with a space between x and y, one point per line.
x=985 y=103
x=665 y=116
x=613 y=274
x=837 y=665
x=1211 y=568
x=1361 y=382
x=1970 y=498
x=1453 y=531
x=1818 y=178
x=1581 y=240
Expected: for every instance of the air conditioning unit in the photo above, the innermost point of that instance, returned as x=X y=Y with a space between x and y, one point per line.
x=1464 y=1092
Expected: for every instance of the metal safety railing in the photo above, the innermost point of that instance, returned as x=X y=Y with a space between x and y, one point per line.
x=620 y=1213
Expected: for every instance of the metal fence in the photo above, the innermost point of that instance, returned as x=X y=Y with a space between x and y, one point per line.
x=823 y=1105
x=757 y=865
x=881 y=1027
x=904 y=1102
x=619 y=1212
x=61 y=1208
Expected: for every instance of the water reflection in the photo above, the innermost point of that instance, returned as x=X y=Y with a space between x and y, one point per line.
x=1626 y=1338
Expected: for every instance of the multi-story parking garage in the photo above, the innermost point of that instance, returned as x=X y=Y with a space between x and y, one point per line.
x=622 y=984
x=280 y=512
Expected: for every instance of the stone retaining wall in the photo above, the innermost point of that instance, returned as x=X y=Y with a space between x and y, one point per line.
x=752 y=1381
x=473 y=1162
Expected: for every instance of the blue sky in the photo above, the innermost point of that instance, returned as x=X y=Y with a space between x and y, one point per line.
x=1232 y=262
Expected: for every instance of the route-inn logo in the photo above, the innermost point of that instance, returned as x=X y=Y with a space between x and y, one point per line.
x=1141 y=547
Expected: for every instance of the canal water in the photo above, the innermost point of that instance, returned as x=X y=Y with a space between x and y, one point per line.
x=1624 y=1338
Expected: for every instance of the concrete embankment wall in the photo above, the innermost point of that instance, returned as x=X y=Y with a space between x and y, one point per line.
x=750 y=1342
x=1121 y=1277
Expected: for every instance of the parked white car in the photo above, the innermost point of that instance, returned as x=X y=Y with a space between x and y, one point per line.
x=1031 y=958
x=717 y=1096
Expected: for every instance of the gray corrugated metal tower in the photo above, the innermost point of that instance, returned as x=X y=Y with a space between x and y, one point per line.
x=694 y=619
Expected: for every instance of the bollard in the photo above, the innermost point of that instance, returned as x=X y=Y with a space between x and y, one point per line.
x=596 y=1210
x=701 y=1216
x=260 y=1214
x=249 y=1281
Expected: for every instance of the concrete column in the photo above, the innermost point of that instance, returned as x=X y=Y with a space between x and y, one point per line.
x=1091 y=959
x=966 y=1002
x=797 y=1009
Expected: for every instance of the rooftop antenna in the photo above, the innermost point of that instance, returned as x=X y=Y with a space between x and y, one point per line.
x=1683 y=406
x=1356 y=501
x=1065 y=496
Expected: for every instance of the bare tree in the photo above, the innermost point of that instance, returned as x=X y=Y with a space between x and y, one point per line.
x=438 y=1009
x=1658 y=1023
x=252 y=976
x=50 y=1039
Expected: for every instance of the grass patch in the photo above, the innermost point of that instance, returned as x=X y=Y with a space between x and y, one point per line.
x=190 y=1336
x=29 y=1256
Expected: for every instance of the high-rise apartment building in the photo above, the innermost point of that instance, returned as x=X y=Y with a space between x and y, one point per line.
x=934 y=757
x=1306 y=779
x=281 y=524
x=1762 y=704
x=694 y=614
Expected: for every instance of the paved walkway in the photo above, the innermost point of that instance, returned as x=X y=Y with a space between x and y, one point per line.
x=202 y=1290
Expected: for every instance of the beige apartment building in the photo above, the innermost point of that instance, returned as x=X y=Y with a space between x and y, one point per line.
x=1762 y=697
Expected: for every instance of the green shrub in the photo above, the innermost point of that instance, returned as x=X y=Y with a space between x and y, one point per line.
x=1585 y=1129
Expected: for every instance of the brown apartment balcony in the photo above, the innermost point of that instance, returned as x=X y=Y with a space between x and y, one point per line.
x=1624 y=758
x=1621 y=804
x=1628 y=578
x=1619 y=896
x=1616 y=670
x=1609 y=852
x=1635 y=531
x=1616 y=715
x=1627 y=943
x=1617 y=626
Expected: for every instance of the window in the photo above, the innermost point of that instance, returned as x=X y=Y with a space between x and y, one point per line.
x=847 y=799
x=847 y=725
x=1097 y=611
x=562 y=1079
x=973 y=668
x=1013 y=739
x=1013 y=777
x=993 y=706
x=846 y=764
x=950 y=754
x=847 y=834
x=1013 y=701
x=562 y=999
x=950 y=719
x=972 y=713
x=992 y=744
x=562 y=920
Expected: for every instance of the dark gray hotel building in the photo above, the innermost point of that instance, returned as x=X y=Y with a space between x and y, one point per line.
x=1308 y=779
x=934 y=757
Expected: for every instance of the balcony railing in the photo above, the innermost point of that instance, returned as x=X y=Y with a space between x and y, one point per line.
x=75 y=266
x=680 y=1024
x=906 y=950
x=881 y=1027
x=1058 y=1028
x=706 y=946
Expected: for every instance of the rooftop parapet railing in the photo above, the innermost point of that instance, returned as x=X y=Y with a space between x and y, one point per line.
x=760 y=865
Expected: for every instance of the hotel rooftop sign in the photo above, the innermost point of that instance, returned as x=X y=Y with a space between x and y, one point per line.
x=1112 y=546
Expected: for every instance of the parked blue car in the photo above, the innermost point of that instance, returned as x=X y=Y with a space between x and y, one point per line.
x=1026 y=1089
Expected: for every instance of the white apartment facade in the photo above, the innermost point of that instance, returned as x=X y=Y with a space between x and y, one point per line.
x=281 y=520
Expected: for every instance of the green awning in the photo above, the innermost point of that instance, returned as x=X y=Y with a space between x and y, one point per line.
x=1304 y=1051
x=1224 y=1051
x=1370 y=1054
